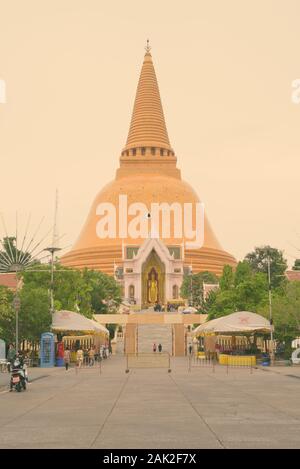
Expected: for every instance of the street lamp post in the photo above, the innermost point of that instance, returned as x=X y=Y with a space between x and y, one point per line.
x=52 y=251
x=270 y=298
x=191 y=286
x=272 y=355
x=17 y=304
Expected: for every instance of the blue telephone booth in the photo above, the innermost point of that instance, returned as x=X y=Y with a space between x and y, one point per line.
x=47 y=351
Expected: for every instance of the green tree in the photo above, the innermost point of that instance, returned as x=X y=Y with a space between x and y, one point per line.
x=85 y=291
x=7 y=315
x=105 y=291
x=34 y=314
x=242 y=290
x=285 y=313
x=242 y=273
x=227 y=279
x=192 y=287
x=12 y=258
x=258 y=260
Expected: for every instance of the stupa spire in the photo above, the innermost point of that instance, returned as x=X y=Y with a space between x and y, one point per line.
x=148 y=128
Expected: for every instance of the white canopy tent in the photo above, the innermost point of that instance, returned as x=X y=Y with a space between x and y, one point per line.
x=239 y=322
x=75 y=322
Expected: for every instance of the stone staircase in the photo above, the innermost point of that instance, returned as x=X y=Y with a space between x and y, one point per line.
x=158 y=333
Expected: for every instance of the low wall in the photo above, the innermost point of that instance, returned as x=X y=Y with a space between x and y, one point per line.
x=151 y=318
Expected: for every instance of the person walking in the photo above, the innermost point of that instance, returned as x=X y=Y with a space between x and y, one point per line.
x=159 y=348
x=79 y=357
x=154 y=347
x=67 y=358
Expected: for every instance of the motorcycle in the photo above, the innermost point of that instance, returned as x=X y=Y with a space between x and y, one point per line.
x=18 y=377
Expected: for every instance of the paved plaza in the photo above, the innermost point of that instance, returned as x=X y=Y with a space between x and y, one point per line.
x=151 y=408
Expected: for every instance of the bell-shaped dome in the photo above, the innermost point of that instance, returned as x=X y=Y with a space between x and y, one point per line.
x=147 y=175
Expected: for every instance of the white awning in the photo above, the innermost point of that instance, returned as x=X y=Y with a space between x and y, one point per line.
x=71 y=321
x=242 y=321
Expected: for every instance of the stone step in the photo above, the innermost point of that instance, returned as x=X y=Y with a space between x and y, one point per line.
x=148 y=334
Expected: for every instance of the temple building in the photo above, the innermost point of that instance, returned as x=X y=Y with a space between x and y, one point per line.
x=150 y=268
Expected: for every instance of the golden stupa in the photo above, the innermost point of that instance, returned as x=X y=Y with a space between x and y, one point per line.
x=147 y=174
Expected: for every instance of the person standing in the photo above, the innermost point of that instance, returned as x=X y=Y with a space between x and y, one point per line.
x=67 y=358
x=159 y=348
x=154 y=347
x=11 y=355
x=91 y=356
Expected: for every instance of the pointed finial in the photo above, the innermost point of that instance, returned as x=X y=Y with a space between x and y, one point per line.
x=148 y=47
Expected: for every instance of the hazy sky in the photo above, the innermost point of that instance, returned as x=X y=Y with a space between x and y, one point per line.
x=224 y=69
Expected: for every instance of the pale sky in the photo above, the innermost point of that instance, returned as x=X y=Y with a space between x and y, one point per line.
x=225 y=72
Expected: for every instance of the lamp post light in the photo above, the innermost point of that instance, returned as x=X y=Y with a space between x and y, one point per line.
x=270 y=297
x=16 y=305
x=272 y=357
x=191 y=285
x=272 y=354
x=52 y=251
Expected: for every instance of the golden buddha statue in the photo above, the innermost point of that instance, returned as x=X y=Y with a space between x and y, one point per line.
x=152 y=289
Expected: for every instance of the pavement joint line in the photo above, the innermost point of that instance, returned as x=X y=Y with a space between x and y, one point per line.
x=111 y=410
x=198 y=413
x=38 y=405
x=270 y=370
x=259 y=400
x=38 y=378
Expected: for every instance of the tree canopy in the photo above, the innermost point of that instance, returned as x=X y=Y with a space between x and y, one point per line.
x=258 y=260
x=7 y=315
x=86 y=292
x=192 y=287
x=240 y=290
x=285 y=313
x=12 y=258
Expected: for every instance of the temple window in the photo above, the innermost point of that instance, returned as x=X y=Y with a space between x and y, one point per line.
x=131 y=292
x=152 y=150
x=131 y=251
x=175 y=292
x=175 y=251
x=161 y=152
x=143 y=150
x=134 y=151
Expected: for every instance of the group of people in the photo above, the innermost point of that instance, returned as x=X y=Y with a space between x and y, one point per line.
x=159 y=347
x=86 y=356
x=171 y=308
x=13 y=354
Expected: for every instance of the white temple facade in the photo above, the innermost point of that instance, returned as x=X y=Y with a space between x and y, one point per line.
x=152 y=273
